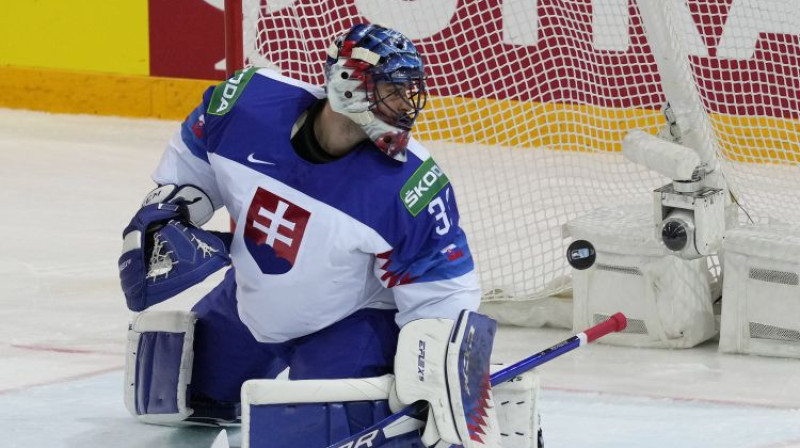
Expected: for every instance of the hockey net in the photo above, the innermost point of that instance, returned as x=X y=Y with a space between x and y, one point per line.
x=530 y=101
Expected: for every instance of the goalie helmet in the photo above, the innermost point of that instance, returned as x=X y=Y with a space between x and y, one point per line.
x=376 y=77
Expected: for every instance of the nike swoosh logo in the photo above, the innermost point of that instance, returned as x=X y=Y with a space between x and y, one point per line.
x=252 y=159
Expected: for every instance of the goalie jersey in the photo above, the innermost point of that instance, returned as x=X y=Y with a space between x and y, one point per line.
x=316 y=242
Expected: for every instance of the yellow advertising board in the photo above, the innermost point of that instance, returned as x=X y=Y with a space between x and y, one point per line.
x=109 y=36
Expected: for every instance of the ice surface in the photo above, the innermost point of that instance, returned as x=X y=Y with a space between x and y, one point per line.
x=69 y=184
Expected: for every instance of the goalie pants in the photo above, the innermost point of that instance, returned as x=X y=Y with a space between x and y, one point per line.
x=226 y=354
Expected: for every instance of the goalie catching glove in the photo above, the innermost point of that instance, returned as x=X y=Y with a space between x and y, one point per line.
x=446 y=363
x=163 y=252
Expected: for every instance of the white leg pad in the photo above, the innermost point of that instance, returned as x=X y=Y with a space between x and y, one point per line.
x=517 y=413
x=515 y=401
x=158 y=366
x=273 y=411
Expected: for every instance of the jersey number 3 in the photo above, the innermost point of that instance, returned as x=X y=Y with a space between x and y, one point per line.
x=439 y=212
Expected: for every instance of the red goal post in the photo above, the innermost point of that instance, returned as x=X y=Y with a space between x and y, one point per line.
x=530 y=101
x=234 y=43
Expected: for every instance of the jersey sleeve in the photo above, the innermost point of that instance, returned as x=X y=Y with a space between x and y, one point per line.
x=430 y=269
x=185 y=159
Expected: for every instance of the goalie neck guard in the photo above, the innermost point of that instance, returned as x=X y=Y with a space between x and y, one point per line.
x=376 y=77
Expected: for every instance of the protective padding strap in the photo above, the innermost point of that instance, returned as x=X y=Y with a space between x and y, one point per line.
x=333 y=50
x=159 y=365
x=276 y=412
x=365 y=55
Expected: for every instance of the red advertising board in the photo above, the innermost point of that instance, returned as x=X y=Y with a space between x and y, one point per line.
x=469 y=56
x=186 y=39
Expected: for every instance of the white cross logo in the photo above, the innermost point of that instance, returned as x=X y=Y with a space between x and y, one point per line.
x=276 y=221
x=277 y=226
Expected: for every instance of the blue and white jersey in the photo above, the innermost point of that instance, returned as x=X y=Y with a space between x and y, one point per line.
x=316 y=242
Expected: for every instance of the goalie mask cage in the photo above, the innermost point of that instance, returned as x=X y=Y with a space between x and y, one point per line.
x=530 y=100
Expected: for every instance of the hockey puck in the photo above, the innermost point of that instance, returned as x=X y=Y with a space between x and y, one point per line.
x=581 y=254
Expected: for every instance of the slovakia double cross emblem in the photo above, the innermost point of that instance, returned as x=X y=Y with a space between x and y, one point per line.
x=274 y=231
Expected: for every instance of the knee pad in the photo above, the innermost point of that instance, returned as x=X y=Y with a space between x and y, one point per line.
x=158 y=367
x=275 y=413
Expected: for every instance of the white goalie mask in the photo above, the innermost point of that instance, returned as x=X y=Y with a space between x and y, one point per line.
x=376 y=77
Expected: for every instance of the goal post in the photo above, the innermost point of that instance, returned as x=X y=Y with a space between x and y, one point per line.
x=234 y=39
x=530 y=101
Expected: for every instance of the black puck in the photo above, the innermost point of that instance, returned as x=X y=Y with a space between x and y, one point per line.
x=581 y=254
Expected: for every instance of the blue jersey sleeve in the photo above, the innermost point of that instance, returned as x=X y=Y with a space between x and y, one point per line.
x=435 y=247
x=430 y=269
x=193 y=133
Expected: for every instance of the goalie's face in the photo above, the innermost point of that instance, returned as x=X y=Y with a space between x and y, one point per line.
x=398 y=103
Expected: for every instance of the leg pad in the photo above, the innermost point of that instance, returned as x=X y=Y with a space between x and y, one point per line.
x=158 y=366
x=278 y=413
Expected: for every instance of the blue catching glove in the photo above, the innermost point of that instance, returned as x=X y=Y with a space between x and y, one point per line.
x=163 y=256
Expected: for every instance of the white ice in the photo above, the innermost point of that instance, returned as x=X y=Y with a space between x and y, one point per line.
x=69 y=184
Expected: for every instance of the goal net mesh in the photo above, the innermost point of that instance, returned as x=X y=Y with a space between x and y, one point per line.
x=530 y=100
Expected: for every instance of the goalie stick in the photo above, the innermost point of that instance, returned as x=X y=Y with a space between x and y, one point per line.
x=413 y=417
